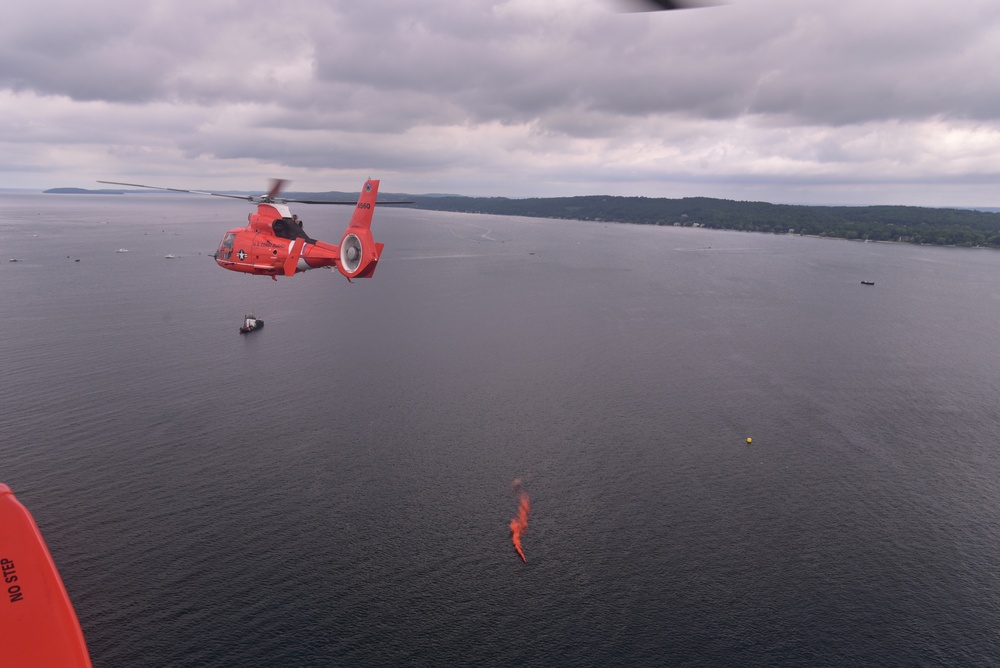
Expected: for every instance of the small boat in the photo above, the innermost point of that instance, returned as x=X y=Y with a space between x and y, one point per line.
x=867 y=282
x=170 y=257
x=122 y=250
x=13 y=259
x=251 y=323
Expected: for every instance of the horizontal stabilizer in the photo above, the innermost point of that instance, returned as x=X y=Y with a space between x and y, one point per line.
x=369 y=269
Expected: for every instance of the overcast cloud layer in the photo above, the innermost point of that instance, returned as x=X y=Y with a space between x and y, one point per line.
x=847 y=101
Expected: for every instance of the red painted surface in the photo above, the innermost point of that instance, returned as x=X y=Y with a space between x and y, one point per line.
x=38 y=626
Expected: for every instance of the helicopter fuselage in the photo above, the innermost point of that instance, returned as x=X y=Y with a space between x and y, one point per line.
x=263 y=246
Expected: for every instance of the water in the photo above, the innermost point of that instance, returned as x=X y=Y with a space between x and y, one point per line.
x=336 y=488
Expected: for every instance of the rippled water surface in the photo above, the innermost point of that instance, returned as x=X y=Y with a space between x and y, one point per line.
x=336 y=488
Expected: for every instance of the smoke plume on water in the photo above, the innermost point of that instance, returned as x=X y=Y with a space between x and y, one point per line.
x=519 y=524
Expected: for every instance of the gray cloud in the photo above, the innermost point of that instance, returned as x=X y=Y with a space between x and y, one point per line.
x=510 y=97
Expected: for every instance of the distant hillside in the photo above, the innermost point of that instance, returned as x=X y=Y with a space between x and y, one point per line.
x=919 y=225
x=911 y=224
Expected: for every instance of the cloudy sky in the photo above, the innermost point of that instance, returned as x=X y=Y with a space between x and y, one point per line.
x=799 y=101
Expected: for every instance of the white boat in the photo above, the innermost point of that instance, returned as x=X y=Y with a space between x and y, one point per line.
x=251 y=323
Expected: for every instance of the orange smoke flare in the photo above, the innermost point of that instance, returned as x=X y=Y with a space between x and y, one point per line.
x=519 y=524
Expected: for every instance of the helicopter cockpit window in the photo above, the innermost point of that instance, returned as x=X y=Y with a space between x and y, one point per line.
x=289 y=228
x=226 y=247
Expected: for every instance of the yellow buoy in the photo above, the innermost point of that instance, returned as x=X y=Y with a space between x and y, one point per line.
x=749 y=440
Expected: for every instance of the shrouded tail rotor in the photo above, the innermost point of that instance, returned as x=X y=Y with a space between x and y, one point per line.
x=351 y=250
x=359 y=254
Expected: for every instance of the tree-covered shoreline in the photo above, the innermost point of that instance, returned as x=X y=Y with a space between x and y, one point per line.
x=909 y=224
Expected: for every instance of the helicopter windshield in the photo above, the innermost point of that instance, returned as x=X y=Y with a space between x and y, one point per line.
x=226 y=247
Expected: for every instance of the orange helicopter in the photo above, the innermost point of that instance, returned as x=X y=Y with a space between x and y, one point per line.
x=273 y=242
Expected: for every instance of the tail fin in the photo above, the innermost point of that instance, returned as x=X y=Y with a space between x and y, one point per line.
x=359 y=254
x=363 y=212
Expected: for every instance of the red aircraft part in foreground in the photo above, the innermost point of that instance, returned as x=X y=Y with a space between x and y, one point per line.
x=273 y=242
x=38 y=626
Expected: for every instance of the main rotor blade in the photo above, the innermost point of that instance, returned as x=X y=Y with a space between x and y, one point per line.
x=666 y=5
x=655 y=5
x=179 y=190
x=321 y=201
x=276 y=186
x=315 y=201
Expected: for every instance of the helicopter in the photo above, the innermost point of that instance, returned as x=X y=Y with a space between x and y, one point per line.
x=274 y=243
